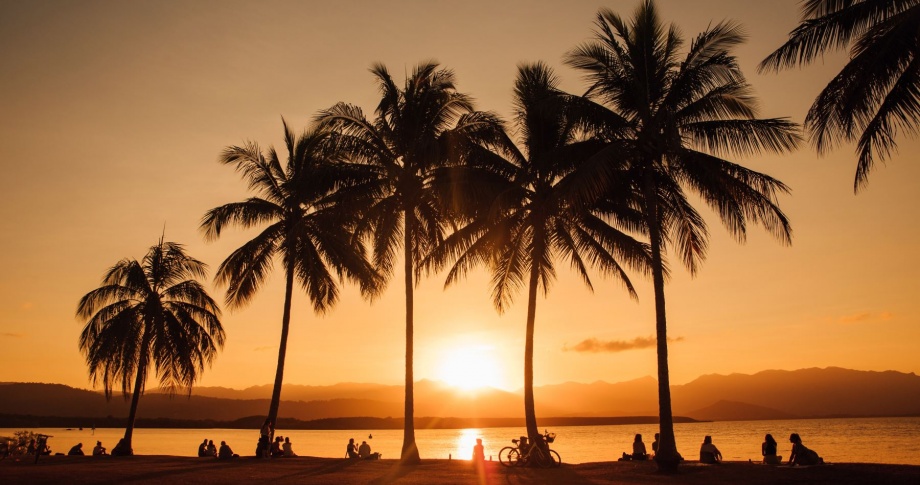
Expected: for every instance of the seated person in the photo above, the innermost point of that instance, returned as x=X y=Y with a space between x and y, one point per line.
x=225 y=451
x=639 y=452
x=203 y=449
x=479 y=454
x=275 y=451
x=212 y=449
x=351 y=450
x=99 y=449
x=709 y=453
x=286 y=448
x=768 y=450
x=77 y=450
x=364 y=451
x=802 y=455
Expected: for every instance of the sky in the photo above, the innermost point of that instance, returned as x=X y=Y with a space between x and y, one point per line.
x=113 y=114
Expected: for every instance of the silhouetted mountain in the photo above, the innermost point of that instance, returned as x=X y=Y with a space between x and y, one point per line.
x=830 y=392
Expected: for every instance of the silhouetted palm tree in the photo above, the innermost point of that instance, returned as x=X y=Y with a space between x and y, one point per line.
x=531 y=215
x=147 y=314
x=415 y=131
x=877 y=94
x=309 y=222
x=671 y=121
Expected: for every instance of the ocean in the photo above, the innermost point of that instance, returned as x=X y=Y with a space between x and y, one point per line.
x=856 y=440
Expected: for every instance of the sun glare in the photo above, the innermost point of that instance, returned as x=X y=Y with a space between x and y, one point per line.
x=470 y=368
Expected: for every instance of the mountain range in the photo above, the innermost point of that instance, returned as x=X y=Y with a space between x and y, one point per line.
x=773 y=394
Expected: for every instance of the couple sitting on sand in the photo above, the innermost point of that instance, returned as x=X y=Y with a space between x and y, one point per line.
x=364 y=451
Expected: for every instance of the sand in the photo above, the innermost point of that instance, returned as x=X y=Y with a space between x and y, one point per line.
x=167 y=469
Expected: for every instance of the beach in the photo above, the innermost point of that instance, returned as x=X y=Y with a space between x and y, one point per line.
x=160 y=469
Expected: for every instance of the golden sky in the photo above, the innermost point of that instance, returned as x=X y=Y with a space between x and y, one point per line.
x=112 y=115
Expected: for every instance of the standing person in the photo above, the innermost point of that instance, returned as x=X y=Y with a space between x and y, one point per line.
x=479 y=452
x=655 y=443
x=99 y=449
x=203 y=448
x=639 y=452
x=801 y=455
x=709 y=453
x=768 y=450
x=287 y=447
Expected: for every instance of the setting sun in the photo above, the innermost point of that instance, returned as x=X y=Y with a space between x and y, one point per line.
x=471 y=367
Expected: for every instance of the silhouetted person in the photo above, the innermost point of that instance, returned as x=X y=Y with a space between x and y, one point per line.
x=351 y=450
x=655 y=443
x=225 y=452
x=479 y=452
x=99 y=449
x=265 y=440
x=364 y=451
x=639 y=452
x=768 y=450
x=286 y=448
x=276 y=448
x=203 y=449
x=800 y=454
x=709 y=453
x=77 y=450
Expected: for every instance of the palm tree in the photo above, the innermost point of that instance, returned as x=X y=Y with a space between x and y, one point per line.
x=152 y=313
x=671 y=121
x=876 y=96
x=413 y=134
x=308 y=227
x=532 y=216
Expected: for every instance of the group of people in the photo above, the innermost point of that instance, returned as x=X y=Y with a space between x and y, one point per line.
x=77 y=450
x=281 y=447
x=207 y=449
x=363 y=452
x=710 y=454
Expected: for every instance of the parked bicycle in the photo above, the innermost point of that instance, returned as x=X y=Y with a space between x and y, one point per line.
x=524 y=453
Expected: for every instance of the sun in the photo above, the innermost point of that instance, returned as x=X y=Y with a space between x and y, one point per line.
x=469 y=368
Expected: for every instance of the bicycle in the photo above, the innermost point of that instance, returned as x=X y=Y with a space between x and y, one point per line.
x=522 y=454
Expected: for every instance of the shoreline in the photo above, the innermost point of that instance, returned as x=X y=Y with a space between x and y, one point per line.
x=152 y=469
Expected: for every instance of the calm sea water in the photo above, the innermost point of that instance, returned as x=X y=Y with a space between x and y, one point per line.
x=874 y=440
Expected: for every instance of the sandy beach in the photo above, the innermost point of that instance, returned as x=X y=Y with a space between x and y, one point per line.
x=160 y=469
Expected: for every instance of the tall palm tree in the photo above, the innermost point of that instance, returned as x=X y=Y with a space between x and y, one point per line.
x=876 y=96
x=671 y=121
x=532 y=216
x=150 y=314
x=308 y=227
x=413 y=134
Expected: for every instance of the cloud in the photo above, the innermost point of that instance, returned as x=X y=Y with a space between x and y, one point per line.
x=12 y=335
x=265 y=348
x=865 y=317
x=593 y=345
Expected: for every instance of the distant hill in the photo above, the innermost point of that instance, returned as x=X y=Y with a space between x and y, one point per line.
x=830 y=392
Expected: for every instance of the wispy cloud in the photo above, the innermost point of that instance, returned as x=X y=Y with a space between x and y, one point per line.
x=12 y=335
x=265 y=348
x=593 y=345
x=864 y=318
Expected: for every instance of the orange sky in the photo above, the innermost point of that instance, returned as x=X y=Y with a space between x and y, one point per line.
x=112 y=115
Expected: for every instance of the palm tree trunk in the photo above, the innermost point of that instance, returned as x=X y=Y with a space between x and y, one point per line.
x=409 y=453
x=282 y=351
x=530 y=412
x=127 y=448
x=667 y=456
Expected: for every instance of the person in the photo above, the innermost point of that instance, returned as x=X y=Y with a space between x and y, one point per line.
x=479 y=452
x=225 y=452
x=639 y=452
x=203 y=449
x=263 y=449
x=122 y=449
x=364 y=451
x=655 y=443
x=800 y=454
x=99 y=449
x=708 y=452
x=351 y=451
x=77 y=450
x=286 y=448
x=276 y=448
x=768 y=450
x=212 y=449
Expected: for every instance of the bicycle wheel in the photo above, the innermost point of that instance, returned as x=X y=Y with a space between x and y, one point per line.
x=557 y=460
x=509 y=456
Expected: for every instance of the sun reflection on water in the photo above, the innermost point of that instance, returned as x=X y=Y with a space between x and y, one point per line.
x=465 y=443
